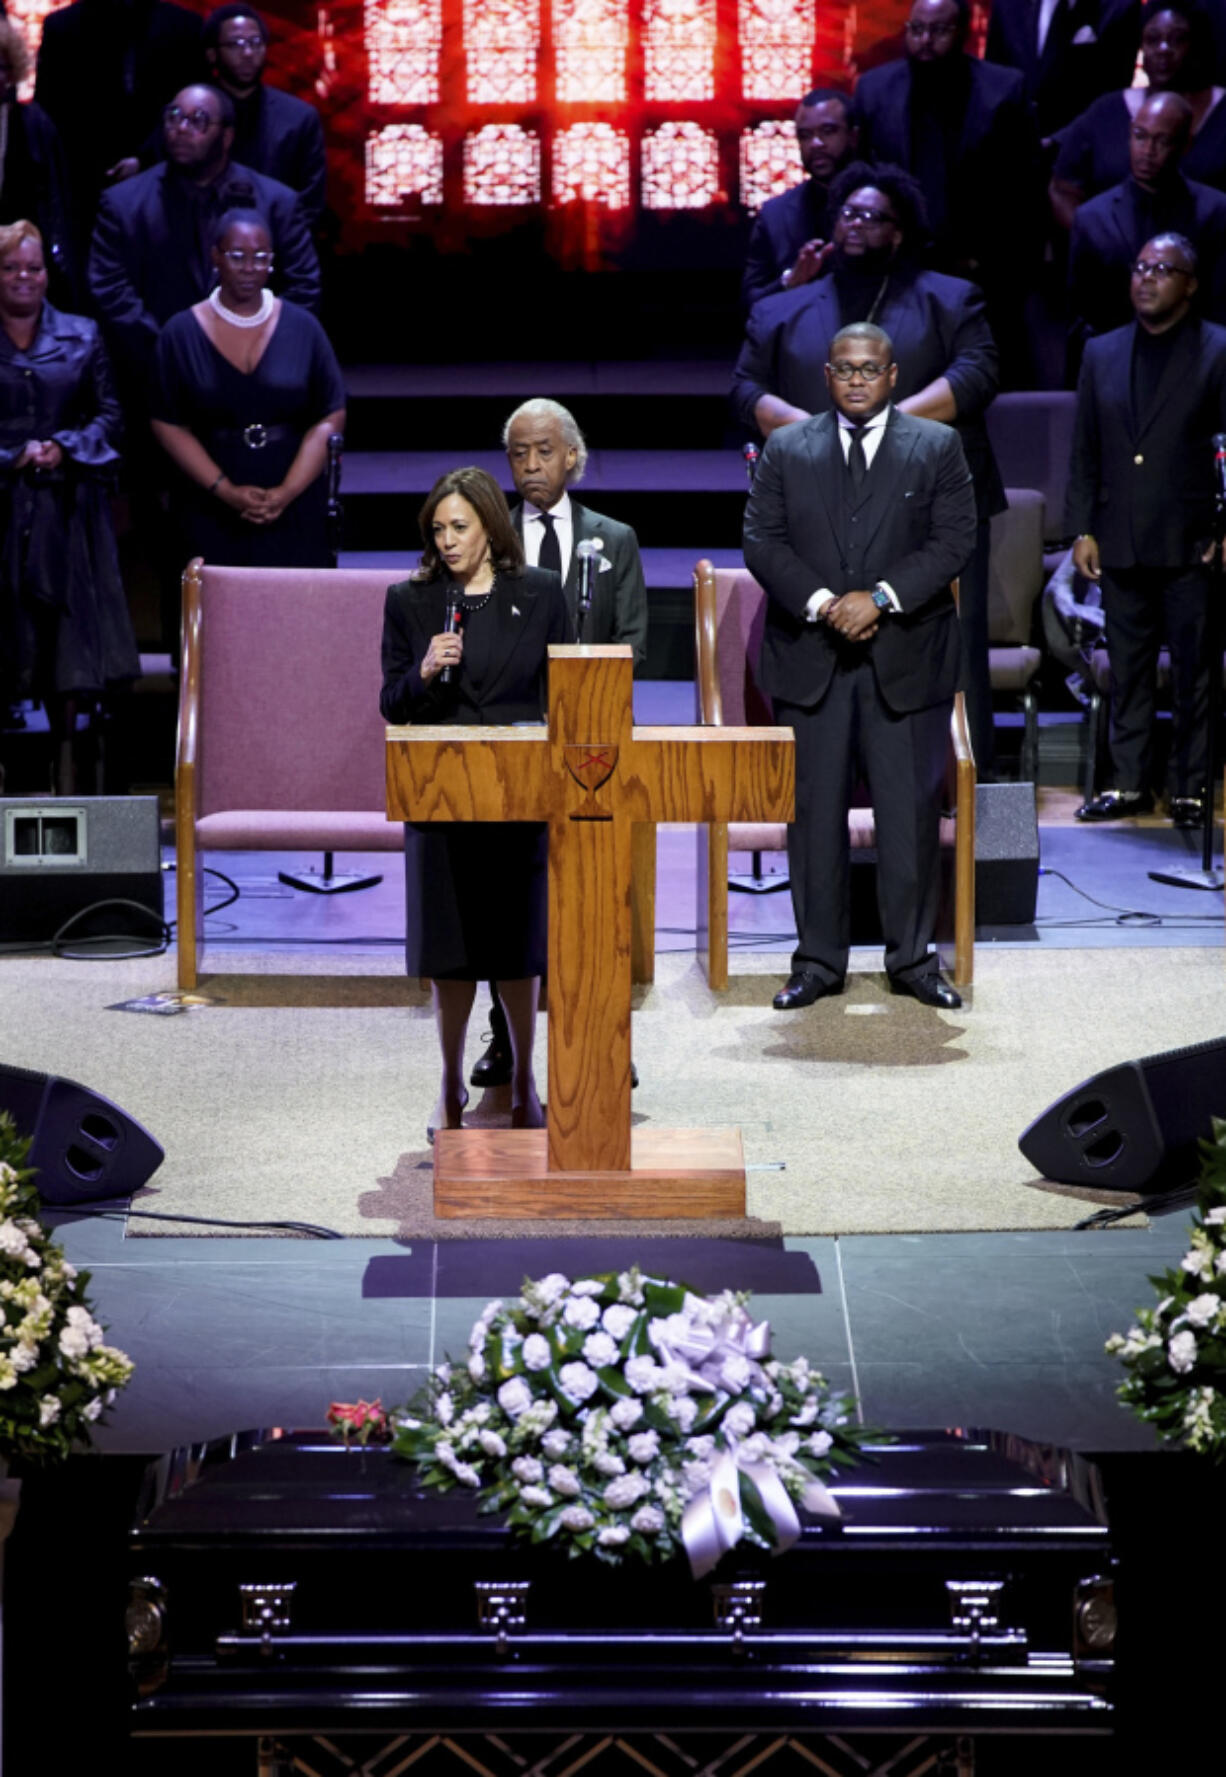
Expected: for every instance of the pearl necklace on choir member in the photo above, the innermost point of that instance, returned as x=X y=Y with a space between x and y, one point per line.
x=256 y=320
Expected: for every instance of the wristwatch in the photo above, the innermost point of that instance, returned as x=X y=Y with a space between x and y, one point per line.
x=882 y=599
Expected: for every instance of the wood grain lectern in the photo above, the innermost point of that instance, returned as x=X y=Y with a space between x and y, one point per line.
x=591 y=774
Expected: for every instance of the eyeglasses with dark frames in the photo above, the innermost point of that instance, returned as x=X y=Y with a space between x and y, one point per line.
x=844 y=372
x=859 y=213
x=199 y=122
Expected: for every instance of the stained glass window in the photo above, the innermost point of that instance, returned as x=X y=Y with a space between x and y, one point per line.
x=776 y=48
x=680 y=168
x=501 y=40
x=403 y=161
x=591 y=164
x=591 y=41
x=502 y=165
x=404 y=39
x=770 y=162
x=679 y=38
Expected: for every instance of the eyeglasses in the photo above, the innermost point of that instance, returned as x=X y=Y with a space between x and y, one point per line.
x=261 y=261
x=868 y=373
x=199 y=122
x=877 y=218
x=1157 y=268
x=923 y=32
x=241 y=43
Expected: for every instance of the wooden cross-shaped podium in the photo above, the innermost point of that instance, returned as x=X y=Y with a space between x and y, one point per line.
x=590 y=774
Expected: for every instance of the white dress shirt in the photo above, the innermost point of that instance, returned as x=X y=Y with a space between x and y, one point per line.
x=871 y=434
x=534 y=532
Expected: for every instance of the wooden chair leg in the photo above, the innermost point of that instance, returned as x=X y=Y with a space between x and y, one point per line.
x=643 y=903
x=711 y=912
x=189 y=898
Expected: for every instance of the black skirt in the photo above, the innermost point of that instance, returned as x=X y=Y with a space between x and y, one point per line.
x=476 y=895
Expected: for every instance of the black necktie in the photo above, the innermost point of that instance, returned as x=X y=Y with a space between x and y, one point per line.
x=856 y=460
x=551 y=550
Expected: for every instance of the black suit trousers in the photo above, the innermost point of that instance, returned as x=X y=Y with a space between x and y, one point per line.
x=853 y=732
x=1142 y=605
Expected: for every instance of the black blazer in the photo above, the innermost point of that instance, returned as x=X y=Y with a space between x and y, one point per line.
x=780 y=230
x=280 y=136
x=921 y=525
x=619 y=595
x=531 y=613
x=145 y=263
x=1110 y=230
x=1094 y=148
x=1143 y=484
x=1062 y=81
x=938 y=327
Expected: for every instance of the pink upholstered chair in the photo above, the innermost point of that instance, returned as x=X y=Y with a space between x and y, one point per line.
x=729 y=613
x=281 y=744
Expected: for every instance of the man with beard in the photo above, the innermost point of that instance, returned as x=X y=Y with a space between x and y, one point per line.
x=274 y=132
x=792 y=231
x=942 y=348
x=1140 y=500
x=961 y=127
x=150 y=251
x=857 y=522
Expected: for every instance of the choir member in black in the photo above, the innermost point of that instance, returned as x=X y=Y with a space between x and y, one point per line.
x=248 y=392
x=791 y=231
x=33 y=170
x=1067 y=51
x=476 y=891
x=274 y=132
x=1177 y=56
x=65 y=634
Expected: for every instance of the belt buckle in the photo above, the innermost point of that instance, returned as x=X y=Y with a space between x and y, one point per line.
x=255 y=436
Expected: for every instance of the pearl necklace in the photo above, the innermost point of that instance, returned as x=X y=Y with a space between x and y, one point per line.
x=256 y=320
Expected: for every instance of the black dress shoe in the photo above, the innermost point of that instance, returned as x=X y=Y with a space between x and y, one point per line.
x=494 y=1067
x=1187 y=811
x=930 y=990
x=634 y=1076
x=1116 y=805
x=803 y=987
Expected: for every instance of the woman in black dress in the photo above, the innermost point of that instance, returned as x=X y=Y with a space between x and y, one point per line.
x=65 y=632
x=476 y=892
x=248 y=392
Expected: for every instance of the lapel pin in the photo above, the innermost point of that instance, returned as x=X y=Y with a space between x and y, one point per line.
x=515 y=610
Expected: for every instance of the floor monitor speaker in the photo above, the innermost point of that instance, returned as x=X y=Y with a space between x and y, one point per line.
x=59 y=855
x=1133 y=1127
x=1006 y=854
x=83 y=1146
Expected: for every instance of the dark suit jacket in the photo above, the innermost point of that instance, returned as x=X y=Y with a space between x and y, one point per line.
x=780 y=230
x=1110 y=230
x=415 y=610
x=938 y=328
x=619 y=596
x=921 y=525
x=991 y=191
x=281 y=137
x=1094 y=148
x=1143 y=485
x=145 y=263
x=1067 y=76
x=36 y=189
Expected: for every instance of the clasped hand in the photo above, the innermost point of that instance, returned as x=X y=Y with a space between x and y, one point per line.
x=258 y=505
x=444 y=650
x=41 y=454
x=854 y=616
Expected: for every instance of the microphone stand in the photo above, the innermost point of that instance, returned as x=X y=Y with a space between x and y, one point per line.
x=1209 y=875
x=331 y=882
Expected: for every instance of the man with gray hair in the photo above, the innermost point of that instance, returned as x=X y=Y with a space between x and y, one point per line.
x=548 y=455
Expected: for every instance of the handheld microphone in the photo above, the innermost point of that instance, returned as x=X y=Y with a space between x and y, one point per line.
x=1219 y=467
x=454 y=626
x=587 y=551
x=750 y=453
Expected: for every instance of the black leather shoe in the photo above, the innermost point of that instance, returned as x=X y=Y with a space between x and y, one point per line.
x=634 y=1076
x=1116 y=805
x=1187 y=811
x=803 y=987
x=494 y=1067
x=929 y=990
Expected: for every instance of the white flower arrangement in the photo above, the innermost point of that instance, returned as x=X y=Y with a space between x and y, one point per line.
x=623 y=1415
x=57 y=1376
x=1175 y=1353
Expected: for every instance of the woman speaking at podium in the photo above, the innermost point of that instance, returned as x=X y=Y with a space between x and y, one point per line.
x=465 y=640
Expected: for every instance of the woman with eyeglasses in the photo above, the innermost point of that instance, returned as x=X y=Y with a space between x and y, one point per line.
x=248 y=393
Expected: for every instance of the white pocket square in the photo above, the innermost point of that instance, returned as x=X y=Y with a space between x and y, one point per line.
x=1087 y=34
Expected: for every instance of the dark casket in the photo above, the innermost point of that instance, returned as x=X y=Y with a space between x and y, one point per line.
x=283 y=1584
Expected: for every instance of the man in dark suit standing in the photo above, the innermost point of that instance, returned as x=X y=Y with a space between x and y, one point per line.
x=857 y=522
x=1140 y=500
x=791 y=231
x=1109 y=230
x=150 y=253
x=274 y=132
x=1069 y=52
x=547 y=454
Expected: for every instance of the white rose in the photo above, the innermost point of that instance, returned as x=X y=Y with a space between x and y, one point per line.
x=819 y=1443
x=555 y=1443
x=697 y=1474
x=23 y=1357
x=536 y=1496
x=807 y=1414
x=73 y=1342
x=576 y=1518
x=600 y=1350
x=605 y=1463
x=565 y=1481
x=739 y=1420
x=514 y=1397
x=1197 y=1263
x=552 y=1288
x=466 y=1474
x=626 y=1413
x=536 y=1352
x=614 y=1536
x=48 y=1410
x=618 y=1320
x=444 y=1409
x=492 y=1444
x=476 y=1367
x=581 y=1312
x=643 y=1374
x=649 y=1520
x=578 y=1381
x=587 y=1286
x=627 y=1490
x=527 y=1468
x=644 y=1446
x=1216 y=1217
x=1203 y=1309
x=683 y=1410
x=1181 y=1353
x=735 y=1371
